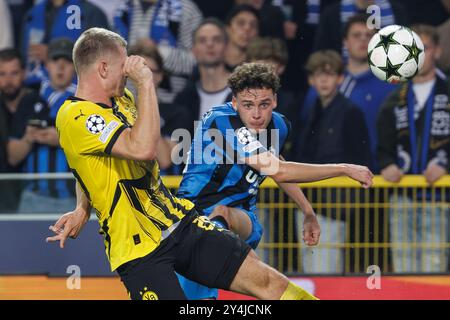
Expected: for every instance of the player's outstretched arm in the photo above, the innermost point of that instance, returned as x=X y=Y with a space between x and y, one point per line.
x=71 y=223
x=311 y=227
x=141 y=141
x=287 y=171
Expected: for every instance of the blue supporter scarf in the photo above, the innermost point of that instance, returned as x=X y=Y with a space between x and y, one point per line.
x=419 y=164
x=166 y=12
x=41 y=157
x=313 y=12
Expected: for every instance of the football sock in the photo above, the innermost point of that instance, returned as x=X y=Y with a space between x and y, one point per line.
x=294 y=292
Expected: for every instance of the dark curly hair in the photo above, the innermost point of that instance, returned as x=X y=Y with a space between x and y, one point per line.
x=255 y=75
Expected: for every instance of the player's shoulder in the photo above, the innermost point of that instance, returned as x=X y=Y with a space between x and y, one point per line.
x=219 y=113
x=280 y=121
x=75 y=108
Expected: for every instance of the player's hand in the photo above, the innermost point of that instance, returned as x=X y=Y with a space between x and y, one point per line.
x=311 y=230
x=360 y=173
x=433 y=172
x=137 y=70
x=69 y=225
x=392 y=173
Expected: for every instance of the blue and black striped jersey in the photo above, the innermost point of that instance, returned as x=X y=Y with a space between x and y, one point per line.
x=215 y=173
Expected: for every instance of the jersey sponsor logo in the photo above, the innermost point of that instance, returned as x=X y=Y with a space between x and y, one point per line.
x=244 y=136
x=251 y=176
x=107 y=131
x=95 y=124
x=80 y=115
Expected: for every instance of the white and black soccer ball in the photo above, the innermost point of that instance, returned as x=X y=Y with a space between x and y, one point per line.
x=95 y=124
x=396 y=54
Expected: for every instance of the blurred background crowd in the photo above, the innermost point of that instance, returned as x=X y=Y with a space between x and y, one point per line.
x=340 y=112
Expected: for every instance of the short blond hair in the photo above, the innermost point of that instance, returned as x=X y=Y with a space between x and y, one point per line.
x=92 y=44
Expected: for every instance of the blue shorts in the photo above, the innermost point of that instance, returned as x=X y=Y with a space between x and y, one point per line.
x=195 y=291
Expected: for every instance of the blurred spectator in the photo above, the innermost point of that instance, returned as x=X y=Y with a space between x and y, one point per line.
x=168 y=23
x=39 y=143
x=302 y=19
x=242 y=25
x=109 y=8
x=428 y=12
x=216 y=9
x=211 y=89
x=335 y=132
x=18 y=9
x=271 y=17
x=359 y=85
x=172 y=116
x=16 y=107
x=3 y=142
x=50 y=19
x=6 y=36
x=444 y=60
x=5 y=204
x=332 y=21
x=414 y=138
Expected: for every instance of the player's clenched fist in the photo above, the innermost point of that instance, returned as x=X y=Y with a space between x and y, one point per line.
x=137 y=70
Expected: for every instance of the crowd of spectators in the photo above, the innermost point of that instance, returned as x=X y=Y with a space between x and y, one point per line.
x=340 y=112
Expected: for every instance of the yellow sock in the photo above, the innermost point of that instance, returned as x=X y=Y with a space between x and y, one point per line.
x=294 y=292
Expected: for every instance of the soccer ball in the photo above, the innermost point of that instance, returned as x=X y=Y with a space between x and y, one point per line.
x=95 y=124
x=395 y=54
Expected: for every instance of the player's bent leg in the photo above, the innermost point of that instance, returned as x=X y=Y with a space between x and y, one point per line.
x=257 y=279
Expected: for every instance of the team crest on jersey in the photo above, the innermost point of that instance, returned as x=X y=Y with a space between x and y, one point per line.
x=245 y=136
x=95 y=124
x=148 y=295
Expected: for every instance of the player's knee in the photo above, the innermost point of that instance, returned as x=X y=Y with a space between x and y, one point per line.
x=274 y=283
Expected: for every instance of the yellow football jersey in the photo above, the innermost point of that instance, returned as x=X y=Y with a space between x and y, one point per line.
x=132 y=204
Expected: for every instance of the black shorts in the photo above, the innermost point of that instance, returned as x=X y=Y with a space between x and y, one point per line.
x=197 y=250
